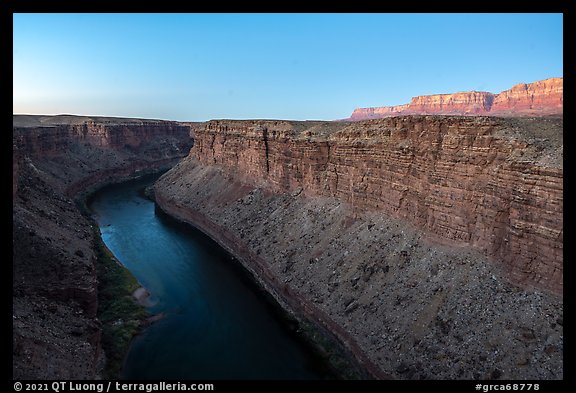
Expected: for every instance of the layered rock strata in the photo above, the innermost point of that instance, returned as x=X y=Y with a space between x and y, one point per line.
x=56 y=334
x=545 y=97
x=431 y=246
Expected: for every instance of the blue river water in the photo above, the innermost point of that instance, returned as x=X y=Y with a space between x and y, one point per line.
x=217 y=324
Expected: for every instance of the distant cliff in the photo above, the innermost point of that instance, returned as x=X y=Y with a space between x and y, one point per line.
x=534 y=99
x=96 y=147
x=56 y=334
x=542 y=97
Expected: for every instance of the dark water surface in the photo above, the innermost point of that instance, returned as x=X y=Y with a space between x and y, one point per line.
x=216 y=325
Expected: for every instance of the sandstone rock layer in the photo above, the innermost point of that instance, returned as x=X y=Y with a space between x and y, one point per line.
x=545 y=97
x=542 y=97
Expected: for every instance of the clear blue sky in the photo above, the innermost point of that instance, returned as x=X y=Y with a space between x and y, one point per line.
x=198 y=67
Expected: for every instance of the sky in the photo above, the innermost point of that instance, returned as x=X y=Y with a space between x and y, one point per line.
x=197 y=67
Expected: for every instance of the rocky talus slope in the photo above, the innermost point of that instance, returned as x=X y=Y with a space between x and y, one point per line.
x=56 y=334
x=541 y=98
x=430 y=245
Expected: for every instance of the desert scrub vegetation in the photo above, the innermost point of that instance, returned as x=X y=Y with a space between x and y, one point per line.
x=120 y=315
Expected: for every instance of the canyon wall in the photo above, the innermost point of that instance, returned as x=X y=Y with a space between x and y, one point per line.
x=395 y=234
x=541 y=98
x=96 y=147
x=461 y=180
x=56 y=333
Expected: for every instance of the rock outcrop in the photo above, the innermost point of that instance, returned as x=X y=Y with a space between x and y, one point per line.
x=470 y=103
x=534 y=99
x=56 y=334
x=396 y=234
x=378 y=112
x=544 y=97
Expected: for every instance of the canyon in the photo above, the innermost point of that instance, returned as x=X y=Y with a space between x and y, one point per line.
x=541 y=98
x=56 y=159
x=430 y=246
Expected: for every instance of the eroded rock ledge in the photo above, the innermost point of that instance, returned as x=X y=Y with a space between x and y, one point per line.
x=431 y=245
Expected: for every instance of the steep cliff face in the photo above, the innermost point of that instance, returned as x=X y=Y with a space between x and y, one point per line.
x=378 y=112
x=343 y=223
x=534 y=99
x=473 y=102
x=467 y=181
x=56 y=334
x=47 y=141
x=96 y=148
x=542 y=97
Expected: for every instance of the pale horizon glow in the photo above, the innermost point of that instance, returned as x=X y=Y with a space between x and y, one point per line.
x=197 y=67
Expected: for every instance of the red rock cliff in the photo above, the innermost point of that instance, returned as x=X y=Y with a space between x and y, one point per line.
x=473 y=102
x=539 y=98
x=98 y=148
x=378 y=112
x=488 y=183
x=53 y=139
x=542 y=97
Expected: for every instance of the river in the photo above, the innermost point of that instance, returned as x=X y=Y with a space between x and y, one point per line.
x=217 y=324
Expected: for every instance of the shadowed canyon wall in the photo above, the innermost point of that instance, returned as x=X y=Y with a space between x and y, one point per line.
x=56 y=334
x=545 y=97
x=395 y=234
